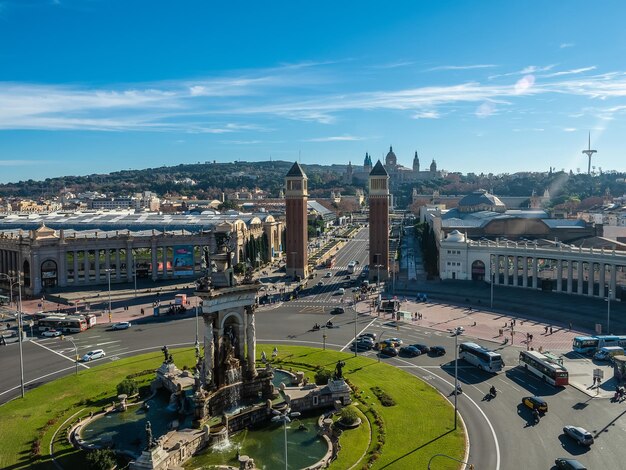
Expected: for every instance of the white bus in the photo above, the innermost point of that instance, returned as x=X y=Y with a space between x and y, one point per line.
x=481 y=357
x=351 y=266
x=541 y=365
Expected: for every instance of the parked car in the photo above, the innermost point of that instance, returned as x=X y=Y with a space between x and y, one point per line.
x=437 y=351
x=51 y=333
x=337 y=311
x=122 y=325
x=422 y=348
x=536 y=403
x=397 y=341
x=328 y=274
x=320 y=284
x=569 y=464
x=92 y=355
x=389 y=351
x=340 y=291
x=410 y=351
x=580 y=435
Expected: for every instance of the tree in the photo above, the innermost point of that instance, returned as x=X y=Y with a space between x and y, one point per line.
x=101 y=459
x=128 y=387
x=322 y=376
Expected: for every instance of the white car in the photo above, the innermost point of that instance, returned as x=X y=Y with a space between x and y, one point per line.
x=340 y=291
x=51 y=333
x=91 y=355
x=122 y=325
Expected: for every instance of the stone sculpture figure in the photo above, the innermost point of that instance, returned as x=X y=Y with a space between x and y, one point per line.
x=166 y=353
x=150 y=442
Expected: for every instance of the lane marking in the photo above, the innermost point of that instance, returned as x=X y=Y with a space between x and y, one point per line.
x=359 y=333
x=59 y=354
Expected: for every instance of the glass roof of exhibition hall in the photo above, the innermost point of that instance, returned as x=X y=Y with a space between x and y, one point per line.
x=122 y=221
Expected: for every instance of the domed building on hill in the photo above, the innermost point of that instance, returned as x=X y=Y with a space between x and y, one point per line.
x=397 y=173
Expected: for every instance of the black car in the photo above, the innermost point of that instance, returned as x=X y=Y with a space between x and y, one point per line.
x=422 y=348
x=410 y=351
x=361 y=345
x=569 y=464
x=389 y=352
x=337 y=310
x=437 y=351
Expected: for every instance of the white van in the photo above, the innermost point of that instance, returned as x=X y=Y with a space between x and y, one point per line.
x=608 y=352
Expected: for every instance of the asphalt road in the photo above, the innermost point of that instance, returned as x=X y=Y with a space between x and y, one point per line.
x=501 y=432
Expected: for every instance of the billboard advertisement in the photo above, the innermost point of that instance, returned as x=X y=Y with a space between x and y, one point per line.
x=183 y=260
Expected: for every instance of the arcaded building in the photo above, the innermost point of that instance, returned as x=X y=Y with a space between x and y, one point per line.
x=84 y=249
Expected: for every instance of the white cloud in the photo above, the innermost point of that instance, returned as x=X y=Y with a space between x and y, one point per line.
x=566 y=45
x=570 y=72
x=337 y=138
x=524 y=84
x=426 y=115
x=569 y=129
x=485 y=109
x=461 y=67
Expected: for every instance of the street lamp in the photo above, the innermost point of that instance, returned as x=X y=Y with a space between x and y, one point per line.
x=108 y=271
x=456 y=375
x=284 y=417
x=19 y=321
x=378 y=270
x=356 y=347
x=493 y=280
x=608 y=312
x=63 y=338
x=135 y=272
x=324 y=338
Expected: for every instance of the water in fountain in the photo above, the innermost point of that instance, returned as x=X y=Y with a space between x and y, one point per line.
x=173 y=405
x=233 y=399
x=221 y=441
x=233 y=375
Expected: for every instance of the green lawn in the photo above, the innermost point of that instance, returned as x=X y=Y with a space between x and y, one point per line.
x=417 y=427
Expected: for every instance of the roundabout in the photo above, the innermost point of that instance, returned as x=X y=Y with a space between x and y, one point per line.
x=404 y=435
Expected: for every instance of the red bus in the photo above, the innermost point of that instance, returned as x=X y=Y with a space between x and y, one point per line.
x=330 y=262
x=541 y=366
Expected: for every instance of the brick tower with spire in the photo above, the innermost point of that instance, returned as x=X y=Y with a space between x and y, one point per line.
x=379 y=222
x=296 y=195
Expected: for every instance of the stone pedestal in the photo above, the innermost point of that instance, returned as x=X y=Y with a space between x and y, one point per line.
x=152 y=459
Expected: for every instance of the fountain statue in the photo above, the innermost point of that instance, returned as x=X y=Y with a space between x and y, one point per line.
x=166 y=353
x=150 y=441
x=339 y=369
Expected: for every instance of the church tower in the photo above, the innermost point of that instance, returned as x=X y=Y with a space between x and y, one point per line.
x=416 y=162
x=349 y=173
x=296 y=195
x=433 y=167
x=379 y=222
x=367 y=164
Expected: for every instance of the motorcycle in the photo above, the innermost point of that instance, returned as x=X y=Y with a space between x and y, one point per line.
x=316 y=327
x=493 y=392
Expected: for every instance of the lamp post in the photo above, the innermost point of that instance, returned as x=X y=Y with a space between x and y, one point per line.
x=19 y=321
x=608 y=312
x=63 y=338
x=324 y=339
x=456 y=375
x=135 y=272
x=356 y=347
x=108 y=271
x=493 y=280
x=284 y=417
x=377 y=270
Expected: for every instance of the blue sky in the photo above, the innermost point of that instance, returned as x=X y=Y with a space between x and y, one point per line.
x=92 y=86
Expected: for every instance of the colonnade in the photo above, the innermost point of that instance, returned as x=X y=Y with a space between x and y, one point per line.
x=9 y=262
x=574 y=272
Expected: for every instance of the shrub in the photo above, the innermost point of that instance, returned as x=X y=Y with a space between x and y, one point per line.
x=349 y=415
x=127 y=386
x=383 y=397
x=101 y=459
x=322 y=377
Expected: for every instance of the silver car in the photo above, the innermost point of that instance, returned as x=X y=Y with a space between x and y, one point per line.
x=580 y=435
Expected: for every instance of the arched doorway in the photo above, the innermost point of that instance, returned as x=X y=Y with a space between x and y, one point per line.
x=49 y=274
x=478 y=270
x=26 y=273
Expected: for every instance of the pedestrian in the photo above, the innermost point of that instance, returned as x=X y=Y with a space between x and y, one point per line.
x=531 y=337
x=546 y=328
x=142 y=311
x=550 y=330
x=514 y=322
x=570 y=326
